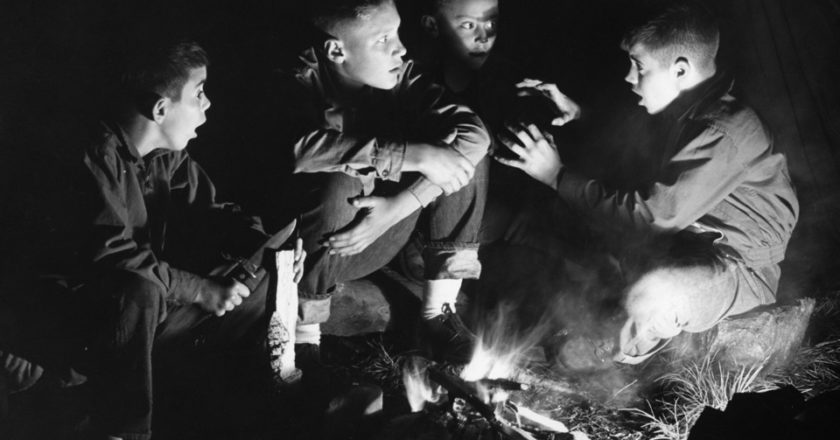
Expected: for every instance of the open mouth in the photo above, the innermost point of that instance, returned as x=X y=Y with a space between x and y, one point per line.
x=479 y=54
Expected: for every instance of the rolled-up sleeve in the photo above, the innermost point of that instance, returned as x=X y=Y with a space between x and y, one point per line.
x=328 y=150
x=438 y=113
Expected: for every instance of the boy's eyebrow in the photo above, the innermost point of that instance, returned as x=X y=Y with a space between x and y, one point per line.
x=493 y=13
x=201 y=83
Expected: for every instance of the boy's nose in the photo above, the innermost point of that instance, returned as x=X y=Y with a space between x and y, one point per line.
x=206 y=104
x=481 y=35
x=399 y=49
x=631 y=76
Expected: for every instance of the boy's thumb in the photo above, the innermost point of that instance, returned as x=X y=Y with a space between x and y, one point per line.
x=363 y=202
x=560 y=121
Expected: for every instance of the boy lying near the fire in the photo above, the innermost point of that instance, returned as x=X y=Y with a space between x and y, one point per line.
x=716 y=188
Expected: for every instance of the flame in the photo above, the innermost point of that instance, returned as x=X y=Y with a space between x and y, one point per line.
x=501 y=351
x=418 y=388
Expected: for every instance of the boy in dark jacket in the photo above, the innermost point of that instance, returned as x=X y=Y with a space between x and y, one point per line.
x=459 y=50
x=717 y=187
x=143 y=275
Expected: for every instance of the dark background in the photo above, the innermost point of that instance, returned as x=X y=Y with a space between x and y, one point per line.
x=784 y=55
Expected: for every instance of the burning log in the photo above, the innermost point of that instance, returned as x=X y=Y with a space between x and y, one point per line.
x=531 y=380
x=464 y=395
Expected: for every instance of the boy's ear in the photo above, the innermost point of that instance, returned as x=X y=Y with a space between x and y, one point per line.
x=681 y=68
x=160 y=110
x=429 y=25
x=335 y=50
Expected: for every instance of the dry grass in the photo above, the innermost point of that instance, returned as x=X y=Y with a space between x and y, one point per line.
x=693 y=386
x=697 y=384
x=384 y=367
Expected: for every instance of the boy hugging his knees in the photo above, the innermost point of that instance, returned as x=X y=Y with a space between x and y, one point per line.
x=720 y=196
x=381 y=152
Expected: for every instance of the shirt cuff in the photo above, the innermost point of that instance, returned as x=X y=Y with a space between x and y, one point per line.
x=571 y=186
x=184 y=286
x=425 y=192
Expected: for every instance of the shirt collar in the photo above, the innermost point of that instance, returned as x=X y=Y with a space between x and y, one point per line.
x=124 y=145
x=696 y=101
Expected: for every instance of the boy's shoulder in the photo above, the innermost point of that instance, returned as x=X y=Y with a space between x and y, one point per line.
x=102 y=141
x=731 y=117
x=106 y=144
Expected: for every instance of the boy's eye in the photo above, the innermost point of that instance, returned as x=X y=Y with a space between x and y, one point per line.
x=383 y=40
x=468 y=25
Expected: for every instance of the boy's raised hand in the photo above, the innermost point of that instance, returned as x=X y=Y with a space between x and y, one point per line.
x=221 y=295
x=569 y=110
x=538 y=156
x=377 y=215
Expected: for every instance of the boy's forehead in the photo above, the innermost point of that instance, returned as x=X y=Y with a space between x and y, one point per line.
x=471 y=8
x=198 y=76
x=638 y=51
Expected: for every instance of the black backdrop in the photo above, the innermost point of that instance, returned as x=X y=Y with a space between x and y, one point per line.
x=784 y=54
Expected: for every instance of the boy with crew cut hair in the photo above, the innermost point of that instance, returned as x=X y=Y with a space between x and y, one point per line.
x=380 y=149
x=459 y=49
x=156 y=263
x=716 y=188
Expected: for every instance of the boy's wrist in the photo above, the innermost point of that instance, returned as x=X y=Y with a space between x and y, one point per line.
x=414 y=157
x=407 y=203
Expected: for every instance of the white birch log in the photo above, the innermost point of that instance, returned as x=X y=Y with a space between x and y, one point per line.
x=281 y=327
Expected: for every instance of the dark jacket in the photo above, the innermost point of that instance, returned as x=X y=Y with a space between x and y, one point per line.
x=141 y=207
x=718 y=172
x=366 y=136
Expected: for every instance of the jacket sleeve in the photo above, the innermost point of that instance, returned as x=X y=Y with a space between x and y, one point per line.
x=330 y=150
x=432 y=114
x=238 y=234
x=696 y=179
x=322 y=145
x=438 y=114
x=113 y=244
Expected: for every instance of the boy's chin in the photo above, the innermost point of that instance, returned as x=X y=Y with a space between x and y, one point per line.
x=384 y=84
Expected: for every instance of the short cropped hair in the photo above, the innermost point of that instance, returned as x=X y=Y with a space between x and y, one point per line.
x=162 y=68
x=682 y=28
x=432 y=7
x=326 y=15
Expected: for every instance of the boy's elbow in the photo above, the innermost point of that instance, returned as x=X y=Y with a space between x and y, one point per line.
x=475 y=144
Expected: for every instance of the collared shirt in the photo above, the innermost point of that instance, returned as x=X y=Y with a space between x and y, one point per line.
x=718 y=172
x=365 y=136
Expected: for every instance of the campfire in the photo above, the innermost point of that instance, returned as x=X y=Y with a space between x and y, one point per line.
x=482 y=401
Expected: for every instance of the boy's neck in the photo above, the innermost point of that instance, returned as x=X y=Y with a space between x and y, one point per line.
x=457 y=77
x=345 y=90
x=139 y=132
